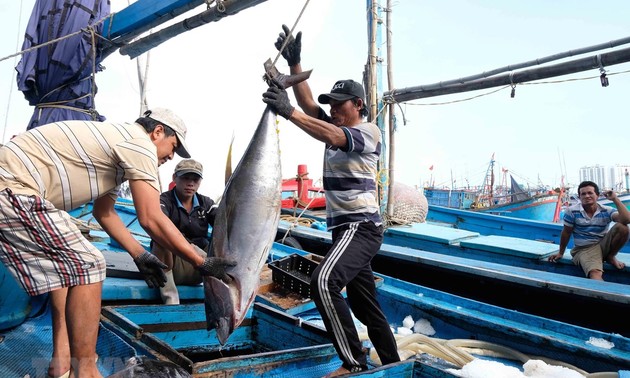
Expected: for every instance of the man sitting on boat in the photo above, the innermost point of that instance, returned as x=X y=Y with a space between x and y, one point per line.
x=191 y=213
x=588 y=222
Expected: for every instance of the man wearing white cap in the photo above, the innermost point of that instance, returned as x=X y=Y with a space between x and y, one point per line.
x=60 y=166
x=191 y=213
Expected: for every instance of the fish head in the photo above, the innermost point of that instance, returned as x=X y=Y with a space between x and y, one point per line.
x=145 y=367
x=221 y=314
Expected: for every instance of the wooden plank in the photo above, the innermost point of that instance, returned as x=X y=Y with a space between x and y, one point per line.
x=143 y=14
x=579 y=286
x=431 y=232
x=506 y=245
x=122 y=289
x=121 y=265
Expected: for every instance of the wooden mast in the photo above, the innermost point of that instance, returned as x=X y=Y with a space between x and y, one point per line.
x=372 y=85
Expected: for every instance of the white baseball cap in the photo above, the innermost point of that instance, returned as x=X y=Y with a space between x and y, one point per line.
x=167 y=118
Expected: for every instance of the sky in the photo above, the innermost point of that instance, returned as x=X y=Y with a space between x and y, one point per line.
x=211 y=77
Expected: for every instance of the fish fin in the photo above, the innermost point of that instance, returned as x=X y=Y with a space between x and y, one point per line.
x=228 y=163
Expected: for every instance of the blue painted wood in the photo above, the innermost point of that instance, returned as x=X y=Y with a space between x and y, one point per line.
x=489 y=224
x=273 y=337
x=532 y=255
x=15 y=304
x=451 y=316
x=498 y=325
x=512 y=246
x=142 y=15
x=294 y=345
x=117 y=289
x=578 y=286
x=430 y=232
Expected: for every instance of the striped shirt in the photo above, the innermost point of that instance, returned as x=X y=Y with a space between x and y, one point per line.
x=74 y=162
x=588 y=231
x=350 y=177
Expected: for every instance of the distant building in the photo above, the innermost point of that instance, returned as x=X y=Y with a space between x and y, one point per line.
x=620 y=178
x=616 y=177
x=596 y=173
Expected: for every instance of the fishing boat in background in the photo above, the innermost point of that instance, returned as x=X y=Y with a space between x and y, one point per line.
x=511 y=201
x=624 y=197
x=299 y=192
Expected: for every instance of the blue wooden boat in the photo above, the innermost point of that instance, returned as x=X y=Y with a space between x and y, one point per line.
x=511 y=201
x=277 y=340
x=280 y=339
x=468 y=264
x=452 y=198
x=539 y=207
x=282 y=334
x=624 y=197
x=514 y=275
x=489 y=224
x=443 y=239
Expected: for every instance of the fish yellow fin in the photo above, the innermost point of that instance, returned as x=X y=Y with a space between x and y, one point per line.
x=228 y=163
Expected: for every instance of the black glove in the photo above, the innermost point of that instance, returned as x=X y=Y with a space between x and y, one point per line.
x=279 y=100
x=215 y=267
x=292 y=50
x=152 y=269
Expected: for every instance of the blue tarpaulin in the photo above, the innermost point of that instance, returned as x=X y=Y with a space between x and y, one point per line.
x=57 y=78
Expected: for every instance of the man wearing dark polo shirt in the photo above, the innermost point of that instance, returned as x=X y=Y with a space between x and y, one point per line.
x=191 y=213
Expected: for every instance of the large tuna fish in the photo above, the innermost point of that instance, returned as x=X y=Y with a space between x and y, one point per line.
x=244 y=228
x=247 y=219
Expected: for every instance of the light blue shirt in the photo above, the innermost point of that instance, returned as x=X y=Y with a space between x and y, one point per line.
x=588 y=231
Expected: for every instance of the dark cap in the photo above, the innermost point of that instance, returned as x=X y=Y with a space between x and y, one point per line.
x=343 y=90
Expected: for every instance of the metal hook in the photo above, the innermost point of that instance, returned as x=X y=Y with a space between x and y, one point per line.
x=603 y=79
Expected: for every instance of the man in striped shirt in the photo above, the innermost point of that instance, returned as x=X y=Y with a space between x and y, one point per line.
x=352 y=150
x=588 y=222
x=59 y=166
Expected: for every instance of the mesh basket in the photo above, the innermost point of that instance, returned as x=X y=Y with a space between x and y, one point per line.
x=293 y=273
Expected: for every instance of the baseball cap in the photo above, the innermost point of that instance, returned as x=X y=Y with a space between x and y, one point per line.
x=189 y=166
x=343 y=90
x=167 y=118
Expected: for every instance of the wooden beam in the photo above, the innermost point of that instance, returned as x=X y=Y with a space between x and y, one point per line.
x=227 y=8
x=144 y=15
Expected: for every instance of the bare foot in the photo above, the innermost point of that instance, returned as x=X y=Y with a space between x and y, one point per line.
x=59 y=367
x=616 y=263
x=66 y=375
x=53 y=374
x=341 y=371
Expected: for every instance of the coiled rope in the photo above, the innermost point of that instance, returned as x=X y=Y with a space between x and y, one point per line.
x=459 y=352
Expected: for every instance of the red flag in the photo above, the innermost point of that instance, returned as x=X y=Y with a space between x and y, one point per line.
x=431 y=168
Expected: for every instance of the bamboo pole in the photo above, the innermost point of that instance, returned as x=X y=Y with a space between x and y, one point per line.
x=390 y=86
x=574 y=66
x=535 y=62
x=371 y=84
